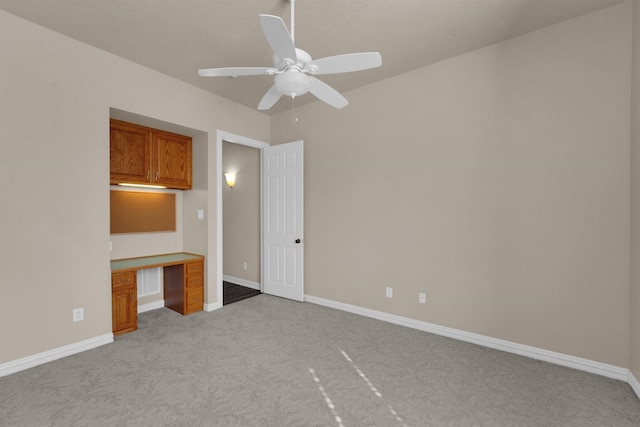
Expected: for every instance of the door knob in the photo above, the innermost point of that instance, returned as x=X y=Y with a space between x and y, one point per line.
x=297 y=240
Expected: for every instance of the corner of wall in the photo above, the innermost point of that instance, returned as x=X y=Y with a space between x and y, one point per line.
x=634 y=283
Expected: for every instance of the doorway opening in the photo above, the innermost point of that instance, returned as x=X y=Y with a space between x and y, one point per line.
x=244 y=257
x=240 y=222
x=281 y=217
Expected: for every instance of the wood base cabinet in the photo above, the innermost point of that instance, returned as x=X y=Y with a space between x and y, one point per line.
x=184 y=287
x=124 y=302
x=194 y=285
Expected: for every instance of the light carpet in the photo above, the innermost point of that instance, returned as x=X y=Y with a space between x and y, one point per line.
x=267 y=361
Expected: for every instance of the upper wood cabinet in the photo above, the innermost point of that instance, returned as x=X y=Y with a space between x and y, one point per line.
x=142 y=155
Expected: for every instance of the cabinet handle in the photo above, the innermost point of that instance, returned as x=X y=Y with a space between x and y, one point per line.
x=157 y=175
x=147 y=175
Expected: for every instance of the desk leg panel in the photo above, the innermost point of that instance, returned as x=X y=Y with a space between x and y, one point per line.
x=174 y=287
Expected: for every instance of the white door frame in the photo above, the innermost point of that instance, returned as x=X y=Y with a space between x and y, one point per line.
x=235 y=139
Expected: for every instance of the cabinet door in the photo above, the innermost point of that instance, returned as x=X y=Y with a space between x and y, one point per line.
x=130 y=153
x=194 y=287
x=172 y=160
x=194 y=299
x=125 y=310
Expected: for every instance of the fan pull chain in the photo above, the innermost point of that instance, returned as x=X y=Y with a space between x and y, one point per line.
x=294 y=119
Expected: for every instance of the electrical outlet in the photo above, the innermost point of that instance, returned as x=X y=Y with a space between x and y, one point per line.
x=389 y=291
x=78 y=314
x=422 y=298
x=244 y=266
x=200 y=214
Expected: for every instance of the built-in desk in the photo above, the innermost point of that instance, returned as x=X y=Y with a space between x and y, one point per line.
x=183 y=286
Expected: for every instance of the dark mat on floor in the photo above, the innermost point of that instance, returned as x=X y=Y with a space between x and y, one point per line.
x=234 y=293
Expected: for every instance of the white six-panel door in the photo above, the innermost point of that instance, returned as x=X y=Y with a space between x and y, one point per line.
x=282 y=220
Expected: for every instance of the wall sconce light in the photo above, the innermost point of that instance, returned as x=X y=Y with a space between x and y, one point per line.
x=230 y=177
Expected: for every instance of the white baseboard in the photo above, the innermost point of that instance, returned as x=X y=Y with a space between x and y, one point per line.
x=54 y=354
x=242 y=282
x=159 y=304
x=581 y=364
x=633 y=382
x=150 y=306
x=212 y=307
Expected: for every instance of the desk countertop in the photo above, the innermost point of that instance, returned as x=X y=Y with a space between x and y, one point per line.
x=139 y=263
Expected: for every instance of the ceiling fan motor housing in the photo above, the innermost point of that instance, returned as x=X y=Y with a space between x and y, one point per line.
x=301 y=61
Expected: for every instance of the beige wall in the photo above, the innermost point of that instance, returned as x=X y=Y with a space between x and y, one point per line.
x=241 y=212
x=635 y=197
x=497 y=182
x=55 y=100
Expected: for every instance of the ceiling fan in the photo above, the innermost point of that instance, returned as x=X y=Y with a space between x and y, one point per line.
x=294 y=69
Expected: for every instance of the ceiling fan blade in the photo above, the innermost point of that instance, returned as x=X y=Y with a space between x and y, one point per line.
x=327 y=94
x=270 y=98
x=347 y=62
x=278 y=37
x=235 y=72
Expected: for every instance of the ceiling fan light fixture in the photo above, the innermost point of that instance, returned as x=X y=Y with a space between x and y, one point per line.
x=293 y=83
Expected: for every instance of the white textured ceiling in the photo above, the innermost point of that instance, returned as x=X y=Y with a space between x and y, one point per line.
x=178 y=37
